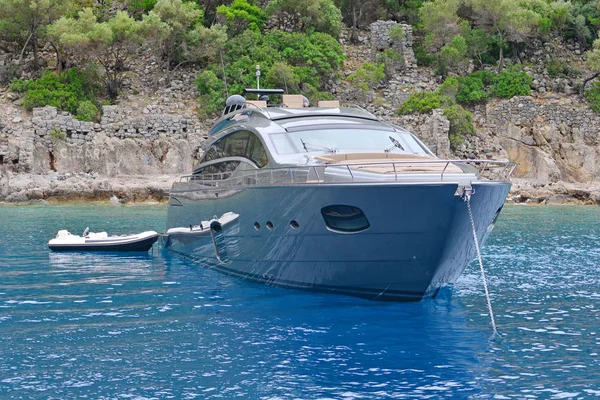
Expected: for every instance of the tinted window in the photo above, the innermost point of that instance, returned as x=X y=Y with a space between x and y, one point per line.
x=343 y=218
x=239 y=144
x=220 y=170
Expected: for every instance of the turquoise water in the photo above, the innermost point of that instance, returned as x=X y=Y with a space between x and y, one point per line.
x=106 y=326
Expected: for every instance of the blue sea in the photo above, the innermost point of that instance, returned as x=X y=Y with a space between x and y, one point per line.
x=153 y=326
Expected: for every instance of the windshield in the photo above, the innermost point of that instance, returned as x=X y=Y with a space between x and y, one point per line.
x=333 y=140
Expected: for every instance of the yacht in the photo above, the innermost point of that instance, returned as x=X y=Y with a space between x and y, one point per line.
x=331 y=199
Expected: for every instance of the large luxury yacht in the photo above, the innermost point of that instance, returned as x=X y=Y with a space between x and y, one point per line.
x=331 y=199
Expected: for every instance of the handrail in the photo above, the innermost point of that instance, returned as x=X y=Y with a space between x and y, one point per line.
x=363 y=172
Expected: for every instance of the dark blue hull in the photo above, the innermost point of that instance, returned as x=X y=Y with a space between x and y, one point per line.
x=418 y=240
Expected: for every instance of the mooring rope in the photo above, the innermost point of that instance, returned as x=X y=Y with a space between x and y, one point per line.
x=487 y=293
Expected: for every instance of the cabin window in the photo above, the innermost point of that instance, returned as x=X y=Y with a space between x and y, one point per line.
x=239 y=144
x=344 y=218
x=220 y=170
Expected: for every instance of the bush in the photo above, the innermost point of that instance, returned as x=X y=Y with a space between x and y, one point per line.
x=87 y=111
x=449 y=88
x=56 y=134
x=65 y=91
x=424 y=59
x=211 y=89
x=592 y=95
x=367 y=76
x=392 y=61
x=461 y=124
x=396 y=32
x=486 y=77
x=242 y=15
x=557 y=68
x=508 y=84
x=421 y=102
x=471 y=91
x=307 y=60
x=306 y=15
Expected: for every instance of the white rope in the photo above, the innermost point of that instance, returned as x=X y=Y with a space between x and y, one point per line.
x=487 y=293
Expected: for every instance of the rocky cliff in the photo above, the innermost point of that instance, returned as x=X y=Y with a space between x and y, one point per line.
x=143 y=144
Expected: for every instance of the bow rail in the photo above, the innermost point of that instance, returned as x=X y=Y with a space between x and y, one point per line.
x=363 y=172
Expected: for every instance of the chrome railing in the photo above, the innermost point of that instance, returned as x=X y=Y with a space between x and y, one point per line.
x=363 y=172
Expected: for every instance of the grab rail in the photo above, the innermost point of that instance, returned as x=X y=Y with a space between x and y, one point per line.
x=363 y=172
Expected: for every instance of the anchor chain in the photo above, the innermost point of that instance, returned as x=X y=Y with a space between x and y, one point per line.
x=466 y=195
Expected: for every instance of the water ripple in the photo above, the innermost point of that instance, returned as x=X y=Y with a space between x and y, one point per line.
x=152 y=326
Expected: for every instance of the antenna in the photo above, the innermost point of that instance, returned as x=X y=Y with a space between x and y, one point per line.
x=258 y=76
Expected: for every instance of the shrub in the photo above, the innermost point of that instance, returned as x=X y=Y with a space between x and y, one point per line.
x=461 y=124
x=461 y=121
x=471 y=91
x=557 y=68
x=449 y=88
x=592 y=95
x=56 y=134
x=210 y=88
x=65 y=91
x=422 y=102
x=508 y=84
x=424 y=59
x=396 y=32
x=367 y=76
x=392 y=61
x=87 y=111
x=486 y=77
x=242 y=15
x=305 y=15
x=307 y=60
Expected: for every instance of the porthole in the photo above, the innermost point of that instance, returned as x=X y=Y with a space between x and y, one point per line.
x=256 y=226
x=344 y=218
x=269 y=225
x=294 y=224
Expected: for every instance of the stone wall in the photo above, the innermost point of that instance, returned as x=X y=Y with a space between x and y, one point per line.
x=555 y=140
x=123 y=143
x=380 y=40
x=431 y=128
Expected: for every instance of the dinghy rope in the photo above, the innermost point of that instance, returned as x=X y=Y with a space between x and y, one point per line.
x=468 y=191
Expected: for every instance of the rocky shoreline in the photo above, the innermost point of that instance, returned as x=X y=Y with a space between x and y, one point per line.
x=56 y=187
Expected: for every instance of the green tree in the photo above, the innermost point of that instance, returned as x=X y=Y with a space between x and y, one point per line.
x=177 y=26
x=308 y=61
x=441 y=25
x=138 y=8
x=320 y=15
x=110 y=44
x=453 y=56
x=355 y=12
x=477 y=40
x=506 y=21
x=593 y=62
x=24 y=20
x=242 y=15
x=283 y=75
